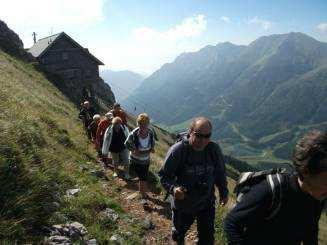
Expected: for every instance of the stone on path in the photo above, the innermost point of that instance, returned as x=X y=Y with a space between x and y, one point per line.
x=132 y=196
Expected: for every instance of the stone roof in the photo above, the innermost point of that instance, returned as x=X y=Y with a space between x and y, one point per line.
x=44 y=44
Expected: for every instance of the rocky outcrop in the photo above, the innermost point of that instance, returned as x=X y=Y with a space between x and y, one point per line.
x=11 y=43
x=103 y=93
x=101 y=96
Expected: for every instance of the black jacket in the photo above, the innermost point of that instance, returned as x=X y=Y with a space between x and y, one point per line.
x=87 y=115
x=297 y=220
x=181 y=169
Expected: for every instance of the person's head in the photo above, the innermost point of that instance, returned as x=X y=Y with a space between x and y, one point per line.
x=109 y=116
x=96 y=118
x=199 y=133
x=116 y=123
x=143 y=122
x=86 y=104
x=116 y=107
x=310 y=162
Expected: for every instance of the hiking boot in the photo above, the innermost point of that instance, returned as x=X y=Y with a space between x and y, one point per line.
x=146 y=206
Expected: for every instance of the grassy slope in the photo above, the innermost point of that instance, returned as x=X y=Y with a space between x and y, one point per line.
x=43 y=151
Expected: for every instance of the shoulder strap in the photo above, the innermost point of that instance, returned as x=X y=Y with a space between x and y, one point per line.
x=184 y=154
x=276 y=181
x=276 y=184
x=135 y=138
x=151 y=134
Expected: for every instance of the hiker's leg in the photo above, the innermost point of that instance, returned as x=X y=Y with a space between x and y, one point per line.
x=124 y=155
x=181 y=223
x=144 y=171
x=142 y=188
x=206 y=225
x=115 y=161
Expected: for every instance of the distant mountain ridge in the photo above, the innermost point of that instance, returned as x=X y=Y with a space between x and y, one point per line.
x=276 y=83
x=123 y=83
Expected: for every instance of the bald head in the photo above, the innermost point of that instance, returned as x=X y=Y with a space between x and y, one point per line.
x=200 y=122
x=200 y=133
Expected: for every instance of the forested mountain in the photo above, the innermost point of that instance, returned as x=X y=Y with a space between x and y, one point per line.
x=261 y=96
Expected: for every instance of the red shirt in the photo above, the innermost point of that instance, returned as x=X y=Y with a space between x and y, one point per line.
x=102 y=127
x=120 y=114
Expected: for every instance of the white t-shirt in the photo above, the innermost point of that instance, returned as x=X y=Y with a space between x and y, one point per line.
x=144 y=148
x=144 y=143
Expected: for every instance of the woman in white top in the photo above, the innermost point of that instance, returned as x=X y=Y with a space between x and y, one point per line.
x=141 y=143
x=114 y=142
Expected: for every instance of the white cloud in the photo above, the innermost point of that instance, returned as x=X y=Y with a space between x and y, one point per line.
x=322 y=28
x=147 y=48
x=42 y=15
x=225 y=19
x=190 y=27
x=144 y=50
x=265 y=24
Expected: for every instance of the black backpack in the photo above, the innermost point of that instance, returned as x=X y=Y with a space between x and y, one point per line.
x=275 y=179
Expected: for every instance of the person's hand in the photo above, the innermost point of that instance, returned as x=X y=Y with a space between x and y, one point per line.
x=179 y=193
x=136 y=152
x=223 y=201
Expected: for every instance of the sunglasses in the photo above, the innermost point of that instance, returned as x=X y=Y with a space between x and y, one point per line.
x=203 y=136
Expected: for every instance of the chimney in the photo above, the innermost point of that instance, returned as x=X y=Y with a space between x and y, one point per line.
x=34 y=37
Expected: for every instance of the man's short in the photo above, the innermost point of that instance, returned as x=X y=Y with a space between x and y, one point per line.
x=120 y=157
x=141 y=168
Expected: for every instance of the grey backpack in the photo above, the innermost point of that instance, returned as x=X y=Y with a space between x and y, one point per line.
x=275 y=179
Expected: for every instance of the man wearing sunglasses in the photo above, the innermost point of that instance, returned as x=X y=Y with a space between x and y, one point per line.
x=191 y=169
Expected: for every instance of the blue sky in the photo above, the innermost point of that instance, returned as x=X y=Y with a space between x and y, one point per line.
x=142 y=35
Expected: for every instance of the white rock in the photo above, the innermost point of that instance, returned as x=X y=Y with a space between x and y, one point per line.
x=78 y=227
x=72 y=192
x=56 y=240
x=111 y=214
x=91 y=242
x=117 y=239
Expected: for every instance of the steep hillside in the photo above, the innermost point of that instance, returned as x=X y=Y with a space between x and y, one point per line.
x=276 y=84
x=44 y=153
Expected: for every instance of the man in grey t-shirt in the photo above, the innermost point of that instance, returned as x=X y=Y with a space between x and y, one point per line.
x=191 y=169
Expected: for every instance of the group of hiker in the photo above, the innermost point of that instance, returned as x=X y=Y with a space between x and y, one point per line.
x=114 y=143
x=272 y=207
